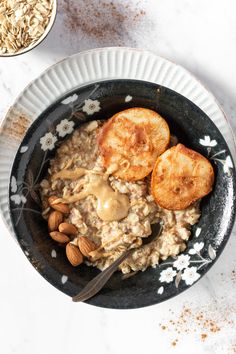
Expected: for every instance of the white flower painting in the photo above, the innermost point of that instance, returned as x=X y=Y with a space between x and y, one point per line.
x=197 y=247
x=182 y=262
x=190 y=275
x=160 y=290
x=18 y=199
x=207 y=141
x=128 y=98
x=70 y=99
x=65 y=127
x=168 y=275
x=91 y=106
x=64 y=279
x=13 y=184
x=216 y=157
x=48 y=141
x=23 y=149
x=198 y=231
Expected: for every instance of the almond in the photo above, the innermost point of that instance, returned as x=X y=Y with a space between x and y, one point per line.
x=59 y=237
x=63 y=208
x=73 y=254
x=54 y=220
x=68 y=229
x=86 y=245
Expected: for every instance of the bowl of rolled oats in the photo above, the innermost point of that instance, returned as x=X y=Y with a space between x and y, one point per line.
x=24 y=24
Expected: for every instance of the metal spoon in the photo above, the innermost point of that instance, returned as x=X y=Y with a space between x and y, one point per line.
x=97 y=283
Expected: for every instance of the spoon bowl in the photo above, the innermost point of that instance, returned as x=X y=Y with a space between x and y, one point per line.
x=97 y=283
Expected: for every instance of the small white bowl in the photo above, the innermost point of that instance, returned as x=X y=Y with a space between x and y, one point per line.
x=41 y=39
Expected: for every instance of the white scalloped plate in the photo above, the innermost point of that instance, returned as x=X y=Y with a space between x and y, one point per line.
x=88 y=67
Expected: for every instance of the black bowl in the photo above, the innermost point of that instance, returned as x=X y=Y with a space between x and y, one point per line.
x=192 y=127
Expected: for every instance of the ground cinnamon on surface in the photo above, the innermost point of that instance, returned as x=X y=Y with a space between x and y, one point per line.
x=202 y=322
x=174 y=342
x=101 y=19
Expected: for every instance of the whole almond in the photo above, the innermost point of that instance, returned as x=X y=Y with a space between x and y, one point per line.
x=59 y=237
x=68 y=229
x=63 y=208
x=73 y=254
x=54 y=220
x=86 y=245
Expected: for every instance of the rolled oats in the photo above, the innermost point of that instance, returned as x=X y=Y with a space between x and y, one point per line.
x=113 y=238
x=22 y=23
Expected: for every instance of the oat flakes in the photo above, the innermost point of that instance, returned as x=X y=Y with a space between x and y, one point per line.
x=114 y=237
x=22 y=23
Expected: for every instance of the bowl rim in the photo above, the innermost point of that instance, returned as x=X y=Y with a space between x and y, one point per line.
x=226 y=234
x=41 y=39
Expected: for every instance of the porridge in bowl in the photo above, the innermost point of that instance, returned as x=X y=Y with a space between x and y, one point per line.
x=100 y=199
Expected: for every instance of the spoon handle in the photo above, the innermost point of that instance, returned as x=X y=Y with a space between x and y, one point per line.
x=97 y=283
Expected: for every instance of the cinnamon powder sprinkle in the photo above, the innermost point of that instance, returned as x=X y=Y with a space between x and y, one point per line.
x=203 y=321
x=106 y=20
x=174 y=342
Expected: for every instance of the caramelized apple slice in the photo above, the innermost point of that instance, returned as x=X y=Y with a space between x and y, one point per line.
x=180 y=177
x=131 y=141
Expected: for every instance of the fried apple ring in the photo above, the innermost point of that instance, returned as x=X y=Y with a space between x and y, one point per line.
x=180 y=177
x=132 y=140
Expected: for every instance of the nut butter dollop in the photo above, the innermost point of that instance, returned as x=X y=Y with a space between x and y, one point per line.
x=111 y=205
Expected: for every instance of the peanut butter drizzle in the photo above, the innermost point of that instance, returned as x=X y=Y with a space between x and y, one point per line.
x=70 y=174
x=111 y=205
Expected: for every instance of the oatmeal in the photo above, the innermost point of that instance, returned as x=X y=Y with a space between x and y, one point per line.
x=76 y=177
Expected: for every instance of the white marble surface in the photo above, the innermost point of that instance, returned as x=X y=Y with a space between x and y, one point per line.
x=35 y=317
